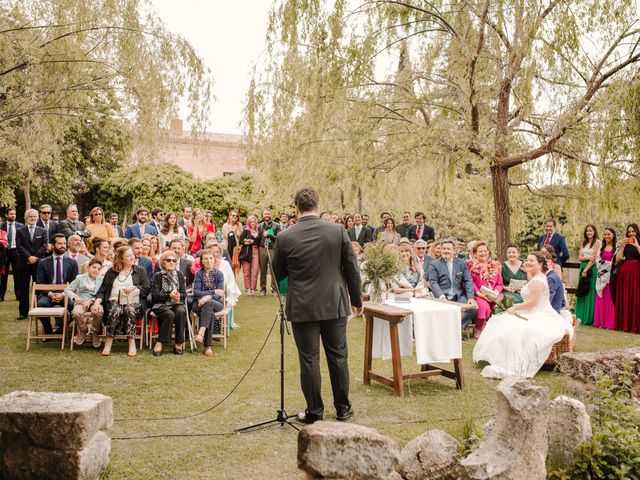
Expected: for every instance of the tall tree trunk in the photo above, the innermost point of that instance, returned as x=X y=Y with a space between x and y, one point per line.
x=26 y=189
x=342 y=205
x=359 y=209
x=500 y=180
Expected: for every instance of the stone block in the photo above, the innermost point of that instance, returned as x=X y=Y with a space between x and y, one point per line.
x=583 y=368
x=22 y=461
x=569 y=425
x=432 y=455
x=344 y=450
x=516 y=446
x=55 y=420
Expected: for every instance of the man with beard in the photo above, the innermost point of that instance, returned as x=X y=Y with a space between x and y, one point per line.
x=11 y=227
x=55 y=269
x=268 y=230
x=31 y=243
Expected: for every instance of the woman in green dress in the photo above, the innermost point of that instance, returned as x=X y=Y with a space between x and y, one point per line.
x=511 y=270
x=586 y=293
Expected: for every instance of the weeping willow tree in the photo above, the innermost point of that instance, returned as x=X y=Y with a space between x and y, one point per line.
x=383 y=94
x=97 y=73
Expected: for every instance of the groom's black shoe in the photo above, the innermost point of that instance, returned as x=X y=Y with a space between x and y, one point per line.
x=308 y=418
x=344 y=413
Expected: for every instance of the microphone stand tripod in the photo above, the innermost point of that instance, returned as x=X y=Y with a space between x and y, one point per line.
x=281 y=417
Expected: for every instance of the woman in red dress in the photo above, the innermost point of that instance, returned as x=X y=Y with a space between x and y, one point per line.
x=628 y=282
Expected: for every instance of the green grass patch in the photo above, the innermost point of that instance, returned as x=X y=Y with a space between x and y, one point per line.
x=169 y=386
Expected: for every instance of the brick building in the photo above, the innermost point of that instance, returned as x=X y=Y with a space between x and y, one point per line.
x=214 y=155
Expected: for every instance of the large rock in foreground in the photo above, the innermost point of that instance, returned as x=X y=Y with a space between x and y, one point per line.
x=515 y=447
x=569 y=426
x=432 y=455
x=344 y=450
x=55 y=435
x=583 y=368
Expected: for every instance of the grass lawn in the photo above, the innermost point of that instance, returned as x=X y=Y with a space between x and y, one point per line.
x=168 y=386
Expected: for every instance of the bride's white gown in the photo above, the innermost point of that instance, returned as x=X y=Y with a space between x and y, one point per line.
x=517 y=347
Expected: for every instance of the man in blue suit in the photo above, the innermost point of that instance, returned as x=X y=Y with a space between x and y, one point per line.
x=31 y=242
x=11 y=227
x=449 y=279
x=55 y=269
x=141 y=227
x=556 y=240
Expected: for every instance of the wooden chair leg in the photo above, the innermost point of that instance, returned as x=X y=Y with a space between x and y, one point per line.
x=28 y=332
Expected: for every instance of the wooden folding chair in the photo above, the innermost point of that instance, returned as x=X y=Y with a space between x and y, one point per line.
x=36 y=312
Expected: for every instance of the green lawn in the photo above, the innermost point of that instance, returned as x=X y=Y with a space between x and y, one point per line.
x=147 y=386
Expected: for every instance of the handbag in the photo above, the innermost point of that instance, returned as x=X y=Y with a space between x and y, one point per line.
x=584 y=284
x=235 y=258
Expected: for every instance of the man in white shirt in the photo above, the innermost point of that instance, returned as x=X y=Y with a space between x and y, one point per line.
x=11 y=227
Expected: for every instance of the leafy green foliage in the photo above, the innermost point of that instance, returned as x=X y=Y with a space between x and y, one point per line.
x=613 y=452
x=381 y=265
x=77 y=81
x=167 y=186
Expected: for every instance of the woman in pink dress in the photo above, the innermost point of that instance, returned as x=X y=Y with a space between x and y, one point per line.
x=604 y=311
x=485 y=272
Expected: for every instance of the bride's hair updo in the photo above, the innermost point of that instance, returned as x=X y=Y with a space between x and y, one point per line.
x=540 y=258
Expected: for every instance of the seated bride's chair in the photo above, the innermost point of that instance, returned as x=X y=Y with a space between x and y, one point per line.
x=565 y=345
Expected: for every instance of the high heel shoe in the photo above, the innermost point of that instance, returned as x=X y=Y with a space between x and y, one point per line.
x=156 y=353
x=178 y=351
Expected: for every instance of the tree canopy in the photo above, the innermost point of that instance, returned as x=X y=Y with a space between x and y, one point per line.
x=83 y=82
x=400 y=101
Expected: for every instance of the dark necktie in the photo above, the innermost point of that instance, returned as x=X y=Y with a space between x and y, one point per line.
x=10 y=232
x=58 y=270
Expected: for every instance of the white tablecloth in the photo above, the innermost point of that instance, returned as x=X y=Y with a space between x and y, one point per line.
x=434 y=325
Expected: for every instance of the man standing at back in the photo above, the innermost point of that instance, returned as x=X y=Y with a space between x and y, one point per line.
x=557 y=241
x=319 y=261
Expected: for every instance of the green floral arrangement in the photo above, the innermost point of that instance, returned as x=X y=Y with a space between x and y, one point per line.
x=381 y=265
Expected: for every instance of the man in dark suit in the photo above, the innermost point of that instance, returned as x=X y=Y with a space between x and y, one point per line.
x=113 y=220
x=141 y=227
x=157 y=218
x=56 y=269
x=31 y=243
x=449 y=279
x=72 y=224
x=45 y=222
x=359 y=232
x=319 y=261
x=404 y=227
x=420 y=230
x=557 y=241
x=11 y=227
x=187 y=215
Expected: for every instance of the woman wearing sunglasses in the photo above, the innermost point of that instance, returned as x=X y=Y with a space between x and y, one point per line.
x=168 y=291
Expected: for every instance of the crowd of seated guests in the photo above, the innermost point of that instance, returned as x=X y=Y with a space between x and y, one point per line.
x=115 y=275
x=100 y=259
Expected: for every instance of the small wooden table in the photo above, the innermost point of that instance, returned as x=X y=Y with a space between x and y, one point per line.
x=394 y=316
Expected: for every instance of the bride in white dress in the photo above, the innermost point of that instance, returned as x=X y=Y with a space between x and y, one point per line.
x=518 y=342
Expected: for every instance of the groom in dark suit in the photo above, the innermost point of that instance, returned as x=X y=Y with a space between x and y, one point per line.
x=319 y=261
x=449 y=279
x=557 y=241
